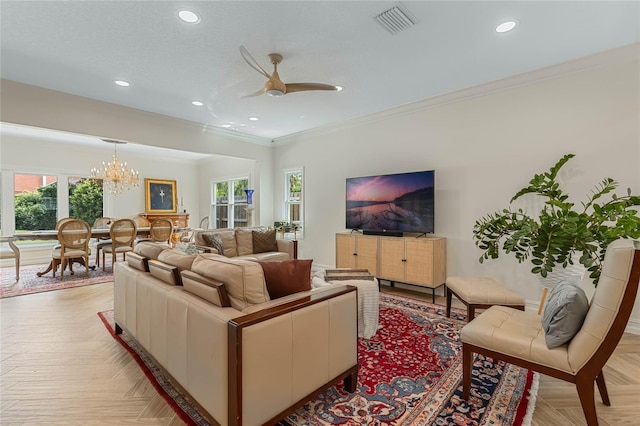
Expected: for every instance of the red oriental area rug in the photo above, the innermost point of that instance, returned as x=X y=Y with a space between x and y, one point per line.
x=410 y=374
x=31 y=283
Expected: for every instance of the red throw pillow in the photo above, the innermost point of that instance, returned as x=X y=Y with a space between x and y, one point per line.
x=287 y=277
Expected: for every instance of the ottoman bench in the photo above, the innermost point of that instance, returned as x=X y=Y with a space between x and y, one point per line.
x=480 y=293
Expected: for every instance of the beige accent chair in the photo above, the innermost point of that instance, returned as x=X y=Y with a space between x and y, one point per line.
x=73 y=236
x=518 y=338
x=10 y=252
x=122 y=235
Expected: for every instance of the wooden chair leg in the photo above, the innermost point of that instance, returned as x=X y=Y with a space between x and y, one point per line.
x=602 y=388
x=86 y=264
x=446 y=289
x=467 y=363
x=63 y=264
x=97 y=255
x=587 y=400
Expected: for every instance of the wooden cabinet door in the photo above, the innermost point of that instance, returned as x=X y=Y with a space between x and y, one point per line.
x=345 y=251
x=392 y=264
x=419 y=256
x=367 y=253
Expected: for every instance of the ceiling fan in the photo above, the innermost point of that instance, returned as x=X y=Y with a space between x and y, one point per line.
x=274 y=86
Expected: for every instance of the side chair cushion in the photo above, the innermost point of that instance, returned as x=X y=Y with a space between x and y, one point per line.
x=287 y=277
x=264 y=241
x=564 y=312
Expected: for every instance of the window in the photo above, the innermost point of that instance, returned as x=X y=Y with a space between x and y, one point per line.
x=40 y=200
x=293 y=198
x=229 y=205
x=35 y=201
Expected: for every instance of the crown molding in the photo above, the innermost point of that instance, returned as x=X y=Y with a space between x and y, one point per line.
x=619 y=55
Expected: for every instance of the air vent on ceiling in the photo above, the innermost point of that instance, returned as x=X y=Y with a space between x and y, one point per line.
x=395 y=19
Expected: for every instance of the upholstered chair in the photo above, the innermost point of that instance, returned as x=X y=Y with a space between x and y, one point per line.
x=8 y=250
x=519 y=338
x=73 y=236
x=123 y=235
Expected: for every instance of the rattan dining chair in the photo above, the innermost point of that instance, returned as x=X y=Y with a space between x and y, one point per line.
x=73 y=236
x=161 y=231
x=102 y=223
x=123 y=235
x=10 y=251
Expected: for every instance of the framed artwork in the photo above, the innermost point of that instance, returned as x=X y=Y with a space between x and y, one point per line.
x=160 y=196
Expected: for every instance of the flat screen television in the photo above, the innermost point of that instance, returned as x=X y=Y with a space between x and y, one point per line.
x=391 y=204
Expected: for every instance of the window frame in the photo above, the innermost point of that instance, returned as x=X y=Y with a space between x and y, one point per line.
x=231 y=202
x=288 y=201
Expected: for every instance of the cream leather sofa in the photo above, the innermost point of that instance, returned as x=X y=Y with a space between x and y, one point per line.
x=238 y=242
x=244 y=358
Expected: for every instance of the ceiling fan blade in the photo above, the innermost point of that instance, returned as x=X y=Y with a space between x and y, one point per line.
x=250 y=95
x=252 y=62
x=301 y=87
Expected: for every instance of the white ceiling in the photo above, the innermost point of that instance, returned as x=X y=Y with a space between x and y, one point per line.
x=81 y=47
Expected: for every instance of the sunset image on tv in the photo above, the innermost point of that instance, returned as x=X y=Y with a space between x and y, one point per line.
x=397 y=202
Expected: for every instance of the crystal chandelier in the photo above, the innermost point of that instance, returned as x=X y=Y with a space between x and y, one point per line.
x=115 y=174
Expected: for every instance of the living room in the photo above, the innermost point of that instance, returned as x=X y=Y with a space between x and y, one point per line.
x=484 y=143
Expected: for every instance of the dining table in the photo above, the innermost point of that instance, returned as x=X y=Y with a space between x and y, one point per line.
x=98 y=233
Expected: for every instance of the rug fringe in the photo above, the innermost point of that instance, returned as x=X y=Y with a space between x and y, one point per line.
x=531 y=405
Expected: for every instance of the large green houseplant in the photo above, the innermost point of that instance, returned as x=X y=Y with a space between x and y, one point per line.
x=561 y=229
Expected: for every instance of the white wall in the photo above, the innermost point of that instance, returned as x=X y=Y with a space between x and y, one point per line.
x=21 y=154
x=484 y=147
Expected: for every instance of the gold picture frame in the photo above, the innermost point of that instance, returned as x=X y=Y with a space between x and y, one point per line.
x=160 y=195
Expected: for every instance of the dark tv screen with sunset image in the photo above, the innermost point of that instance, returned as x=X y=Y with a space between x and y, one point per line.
x=402 y=202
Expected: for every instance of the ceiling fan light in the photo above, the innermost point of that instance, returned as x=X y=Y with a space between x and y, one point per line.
x=275 y=92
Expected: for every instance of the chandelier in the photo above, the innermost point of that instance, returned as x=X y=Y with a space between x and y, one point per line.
x=114 y=174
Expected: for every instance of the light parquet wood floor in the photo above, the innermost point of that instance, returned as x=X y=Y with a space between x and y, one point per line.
x=58 y=365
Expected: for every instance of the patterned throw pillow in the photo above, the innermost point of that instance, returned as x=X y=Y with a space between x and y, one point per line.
x=214 y=241
x=264 y=241
x=287 y=277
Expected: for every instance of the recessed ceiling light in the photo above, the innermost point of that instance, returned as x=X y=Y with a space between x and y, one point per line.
x=506 y=26
x=339 y=88
x=197 y=103
x=302 y=116
x=225 y=125
x=122 y=83
x=189 y=16
x=253 y=118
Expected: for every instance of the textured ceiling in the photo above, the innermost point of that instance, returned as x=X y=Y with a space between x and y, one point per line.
x=81 y=47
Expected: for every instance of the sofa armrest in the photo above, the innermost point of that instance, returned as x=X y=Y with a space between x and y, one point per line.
x=296 y=349
x=288 y=246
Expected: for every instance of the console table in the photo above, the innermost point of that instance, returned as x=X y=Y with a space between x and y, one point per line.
x=178 y=219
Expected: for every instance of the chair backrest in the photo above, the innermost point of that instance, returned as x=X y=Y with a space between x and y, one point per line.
x=161 y=230
x=141 y=221
x=610 y=308
x=74 y=234
x=204 y=223
x=123 y=232
x=63 y=220
x=102 y=223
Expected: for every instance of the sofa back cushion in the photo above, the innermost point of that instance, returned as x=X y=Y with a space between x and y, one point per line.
x=149 y=250
x=137 y=262
x=243 y=279
x=177 y=258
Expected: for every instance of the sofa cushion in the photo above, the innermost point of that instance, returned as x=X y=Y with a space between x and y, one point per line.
x=243 y=279
x=564 y=312
x=215 y=242
x=270 y=256
x=287 y=277
x=264 y=241
x=149 y=250
x=177 y=258
x=244 y=241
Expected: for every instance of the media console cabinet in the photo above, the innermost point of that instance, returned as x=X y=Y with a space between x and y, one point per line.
x=420 y=261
